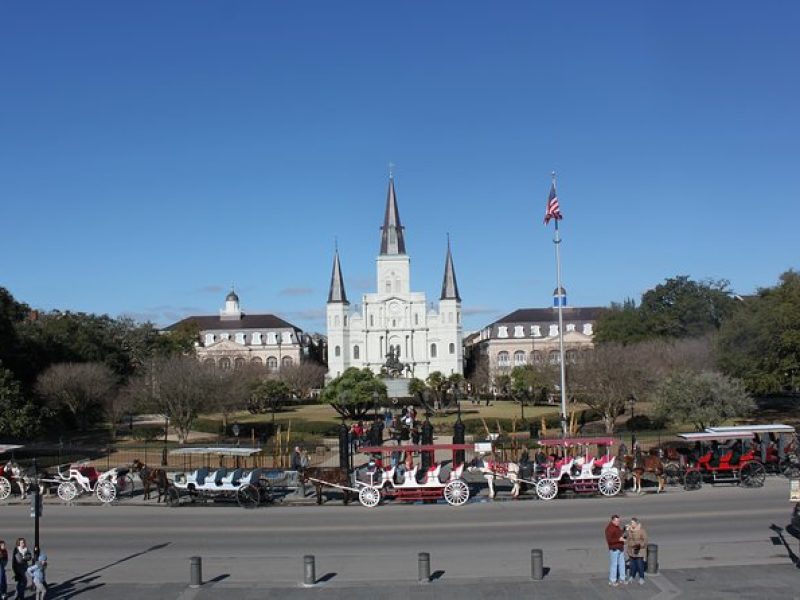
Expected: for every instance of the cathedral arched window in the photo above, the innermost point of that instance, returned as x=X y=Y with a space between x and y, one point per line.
x=433 y=350
x=372 y=320
x=554 y=357
x=452 y=348
x=337 y=351
x=272 y=363
x=536 y=357
x=356 y=352
x=287 y=361
x=519 y=358
x=209 y=362
x=345 y=320
x=336 y=321
x=416 y=318
x=256 y=360
x=225 y=363
x=503 y=359
x=388 y=286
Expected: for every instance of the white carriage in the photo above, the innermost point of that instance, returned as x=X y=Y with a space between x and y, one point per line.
x=8 y=476
x=573 y=465
x=83 y=478
x=248 y=487
x=411 y=485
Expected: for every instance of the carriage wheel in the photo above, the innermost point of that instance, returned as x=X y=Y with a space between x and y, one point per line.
x=125 y=486
x=171 y=497
x=609 y=484
x=672 y=474
x=5 y=488
x=248 y=496
x=692 y=480
x=456 y=492
x=369 y=496
x=753 y=474
x=67 y=491
x=547 y=489
x=106 y=492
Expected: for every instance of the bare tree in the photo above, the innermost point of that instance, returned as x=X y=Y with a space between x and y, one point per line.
x=181 y=388
x=480 y=378
x=607 y=378
x=81 y=388
x=303 y=377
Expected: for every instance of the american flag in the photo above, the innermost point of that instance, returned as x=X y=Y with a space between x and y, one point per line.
x=552 y=211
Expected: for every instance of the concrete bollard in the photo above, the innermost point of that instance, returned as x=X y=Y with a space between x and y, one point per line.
x=652 y=559
x=309 y=570
x=537 y=564
x=195 y=571
x=424 y=567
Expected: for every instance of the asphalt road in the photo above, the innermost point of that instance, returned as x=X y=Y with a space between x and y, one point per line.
x=720 y=526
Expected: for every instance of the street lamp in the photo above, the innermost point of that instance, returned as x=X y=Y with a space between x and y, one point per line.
x=457 y=398
x=164 y=451
x=236 y=431
x=631 y=403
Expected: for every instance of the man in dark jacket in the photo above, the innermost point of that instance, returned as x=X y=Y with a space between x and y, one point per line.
x=616 y=552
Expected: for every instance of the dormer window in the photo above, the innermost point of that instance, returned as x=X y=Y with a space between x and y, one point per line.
x=570 y=327
x=536 y=331
x=240 y=338
x=256 y=338
x=502 y=332
x=587 y=329
x=209 y=339
x=225 y=336
x=553 y=330
x=519 y=331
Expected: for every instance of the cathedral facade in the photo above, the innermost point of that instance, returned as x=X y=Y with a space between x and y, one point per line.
x=394 y=325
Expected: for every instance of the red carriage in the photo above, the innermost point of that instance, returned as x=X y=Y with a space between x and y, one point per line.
x=580 y=465
x=775 y=446
x=720 y=458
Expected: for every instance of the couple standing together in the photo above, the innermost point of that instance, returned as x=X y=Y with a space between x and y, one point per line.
x=633 y=541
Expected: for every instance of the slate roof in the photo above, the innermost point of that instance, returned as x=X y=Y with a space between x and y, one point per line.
x=212 y=322
x=548 y=315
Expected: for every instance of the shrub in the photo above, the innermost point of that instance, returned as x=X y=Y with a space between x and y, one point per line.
x=147 y=434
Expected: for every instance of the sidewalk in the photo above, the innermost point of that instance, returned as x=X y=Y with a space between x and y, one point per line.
x=756 y=582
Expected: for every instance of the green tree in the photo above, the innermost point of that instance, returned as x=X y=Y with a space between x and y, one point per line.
x=678 y=308
x=19 y=417
x=702 y=399
x=760 y=342
x=351 y=394
x=268 y=396
x=529 y=382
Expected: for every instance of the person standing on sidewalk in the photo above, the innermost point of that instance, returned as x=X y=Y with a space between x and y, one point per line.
x=616 y=552
x=37 y=574
x=3 y=563
x=637 y=547
x=21 y=558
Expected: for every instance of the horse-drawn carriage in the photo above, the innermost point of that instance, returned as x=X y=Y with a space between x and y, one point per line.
x=247 y=487
x=713 y=457
x=10 y=474
x=83 y=478
x=775 y=444
x=581 y=465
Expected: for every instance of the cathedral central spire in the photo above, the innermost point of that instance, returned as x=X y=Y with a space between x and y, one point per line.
x=336 y=294
x=449 y=283
x=392 y=241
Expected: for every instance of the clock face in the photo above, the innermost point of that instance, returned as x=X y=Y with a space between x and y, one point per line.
x=395 y=308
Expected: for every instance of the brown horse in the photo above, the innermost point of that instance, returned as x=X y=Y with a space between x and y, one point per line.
x=325 y=476
x=150 y=476
x=640 y=463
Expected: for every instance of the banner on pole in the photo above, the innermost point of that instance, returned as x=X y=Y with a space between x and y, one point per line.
x=794 y=490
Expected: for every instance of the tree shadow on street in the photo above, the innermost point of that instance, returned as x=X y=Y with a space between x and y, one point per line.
x=69 y=588
x=792 y=556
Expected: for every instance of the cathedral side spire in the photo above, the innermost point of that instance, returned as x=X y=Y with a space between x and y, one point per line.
x=392 y=241
x=337 y=293
x=449 y=283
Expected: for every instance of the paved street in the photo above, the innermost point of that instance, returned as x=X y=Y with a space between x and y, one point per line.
x=480 y=548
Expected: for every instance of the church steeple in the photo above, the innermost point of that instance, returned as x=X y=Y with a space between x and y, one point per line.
x=449 y=283
x=392 y=241
x=337 y=293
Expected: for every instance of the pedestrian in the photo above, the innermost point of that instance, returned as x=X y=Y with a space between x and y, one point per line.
x=37 y=574
x=20 y=561
x=296 y=459
x=3 y=563
x=616 y=552
x=637 y=547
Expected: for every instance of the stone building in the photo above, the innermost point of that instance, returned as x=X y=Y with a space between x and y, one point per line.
x=530 y=336
x=234 y=338
x=394 y=319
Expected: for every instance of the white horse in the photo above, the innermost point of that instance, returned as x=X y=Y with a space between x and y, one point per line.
x=491 y=470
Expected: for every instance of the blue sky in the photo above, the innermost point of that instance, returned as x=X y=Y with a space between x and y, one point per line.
x=153 y=153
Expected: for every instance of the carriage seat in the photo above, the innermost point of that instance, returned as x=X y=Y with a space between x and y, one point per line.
x=433 y=473
x=250 y=477
x=90 y=473
x=198 y=477
x=232 y=478
x=706 y=458
x=410 y=476
x=457 y=471
x=387 y=475
x=215 y=477
x=602 y=460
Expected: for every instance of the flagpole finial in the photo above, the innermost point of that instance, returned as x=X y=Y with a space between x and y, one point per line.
x=391 y=170
x=336 y=243
x=553 y=175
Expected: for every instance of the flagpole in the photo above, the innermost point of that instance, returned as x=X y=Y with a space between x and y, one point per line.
x=559 y=296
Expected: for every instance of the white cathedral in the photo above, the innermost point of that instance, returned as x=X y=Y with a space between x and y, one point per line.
x=394 y=320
